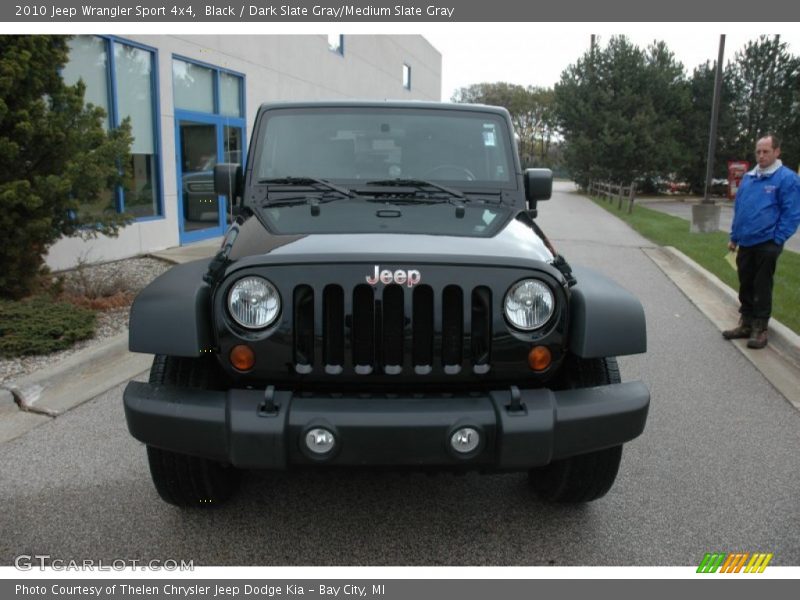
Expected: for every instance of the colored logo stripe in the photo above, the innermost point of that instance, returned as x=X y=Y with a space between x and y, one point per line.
x=733 y=563
x=711 y=562
x=758 y=563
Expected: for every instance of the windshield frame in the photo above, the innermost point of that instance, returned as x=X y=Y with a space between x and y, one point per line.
x=446 y=213
x=511 y=186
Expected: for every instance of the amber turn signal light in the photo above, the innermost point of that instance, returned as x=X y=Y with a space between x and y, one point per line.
x=242 y=358
x=539 y=358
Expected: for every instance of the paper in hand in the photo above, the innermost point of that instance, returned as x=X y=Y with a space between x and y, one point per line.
x=730 y=257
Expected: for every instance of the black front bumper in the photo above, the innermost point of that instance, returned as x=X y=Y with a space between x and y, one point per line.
x=239 y=428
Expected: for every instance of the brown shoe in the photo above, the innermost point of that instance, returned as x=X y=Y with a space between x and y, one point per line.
x=743 y=330
x=758 y=337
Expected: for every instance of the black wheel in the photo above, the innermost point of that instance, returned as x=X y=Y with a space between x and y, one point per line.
x=585 y=477
x=180 y=479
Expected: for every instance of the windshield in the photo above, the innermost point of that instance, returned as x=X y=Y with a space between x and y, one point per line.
x=353 y=145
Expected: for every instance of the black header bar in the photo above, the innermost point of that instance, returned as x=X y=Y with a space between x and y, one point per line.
x=391 y=11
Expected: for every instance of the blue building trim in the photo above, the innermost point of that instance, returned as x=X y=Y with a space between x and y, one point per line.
x=119 y=202
x=115 y=120
x=219 y=121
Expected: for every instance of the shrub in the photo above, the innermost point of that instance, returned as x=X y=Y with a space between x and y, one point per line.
x=55 y=154
x=41 y=325
x=95 y=288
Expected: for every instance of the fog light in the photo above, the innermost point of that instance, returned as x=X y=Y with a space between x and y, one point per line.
x=320 y=441
x=242 y=357
x=539 y=358
x=465 y=440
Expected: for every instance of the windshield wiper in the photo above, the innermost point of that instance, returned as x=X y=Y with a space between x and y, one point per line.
x=412 y=201
x=416 y=183
x=314 y=203
x=485 y=197
x=310 y=181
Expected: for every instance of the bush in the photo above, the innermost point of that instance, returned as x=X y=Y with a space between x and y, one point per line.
x=41 y=325
x=55 y=155
x=95 y=288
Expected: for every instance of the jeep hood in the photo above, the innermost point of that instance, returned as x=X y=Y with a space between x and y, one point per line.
x=517 y=243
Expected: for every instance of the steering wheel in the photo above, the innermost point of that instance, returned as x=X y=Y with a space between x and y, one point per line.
x=462 y=172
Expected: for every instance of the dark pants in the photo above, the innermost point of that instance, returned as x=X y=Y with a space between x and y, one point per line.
x=756 y=266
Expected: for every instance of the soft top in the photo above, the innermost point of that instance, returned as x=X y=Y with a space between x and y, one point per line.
x=427 y=105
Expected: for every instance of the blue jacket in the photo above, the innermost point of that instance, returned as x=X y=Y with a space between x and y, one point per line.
x=767 y=208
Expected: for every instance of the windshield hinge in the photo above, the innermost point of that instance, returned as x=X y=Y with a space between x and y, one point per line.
x=217 y=266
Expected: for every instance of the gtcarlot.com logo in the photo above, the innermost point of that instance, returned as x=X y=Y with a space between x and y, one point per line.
x=27 y=562
x=737 y=562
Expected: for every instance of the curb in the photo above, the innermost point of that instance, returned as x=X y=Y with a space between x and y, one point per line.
x=781 y=338
x=84 y=375
x=779 y=362
x=41 y=397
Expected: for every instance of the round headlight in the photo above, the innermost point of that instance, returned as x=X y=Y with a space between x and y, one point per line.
x=254 y=302
x=529 y=304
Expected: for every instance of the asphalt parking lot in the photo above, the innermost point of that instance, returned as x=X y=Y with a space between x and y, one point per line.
x=715 y=470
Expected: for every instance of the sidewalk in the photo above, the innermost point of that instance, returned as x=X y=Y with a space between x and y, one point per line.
x=779 y=362
x=682 y=207
x=184 y=254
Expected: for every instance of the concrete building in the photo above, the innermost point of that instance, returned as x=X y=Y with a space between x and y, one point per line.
x=192 y=101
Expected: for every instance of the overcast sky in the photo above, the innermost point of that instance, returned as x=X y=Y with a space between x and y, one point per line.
x=537 y=53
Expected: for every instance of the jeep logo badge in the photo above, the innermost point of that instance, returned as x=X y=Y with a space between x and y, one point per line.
x=400 y=277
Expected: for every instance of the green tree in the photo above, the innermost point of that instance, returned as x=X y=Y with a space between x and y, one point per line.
x=694 y=135
x=531 y=110
x=766 y=87
x=578 y=104
x=55 y=154
x=620 y=110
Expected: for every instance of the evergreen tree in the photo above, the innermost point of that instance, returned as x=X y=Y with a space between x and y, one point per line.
x=621 y=111
x=694 y=135
x=55 y=154
x=766 y=87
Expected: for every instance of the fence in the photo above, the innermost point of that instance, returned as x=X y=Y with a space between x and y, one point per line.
x=611 y=191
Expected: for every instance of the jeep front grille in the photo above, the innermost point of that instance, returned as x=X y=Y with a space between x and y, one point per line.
x=391 y=330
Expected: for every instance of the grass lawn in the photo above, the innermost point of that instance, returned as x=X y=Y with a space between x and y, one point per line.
x=709 y=250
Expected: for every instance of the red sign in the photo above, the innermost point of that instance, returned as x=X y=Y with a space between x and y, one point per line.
x=736 y=170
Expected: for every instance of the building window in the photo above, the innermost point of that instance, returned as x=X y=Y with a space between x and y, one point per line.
x=135 y=101
x=88 y=61
x=209 y=121
x=336 y=43
x=193 y=86
x=230 y=95
x=406 y=76
x=120 y=78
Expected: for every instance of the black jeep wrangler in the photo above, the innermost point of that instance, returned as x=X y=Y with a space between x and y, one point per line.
x=384 y=298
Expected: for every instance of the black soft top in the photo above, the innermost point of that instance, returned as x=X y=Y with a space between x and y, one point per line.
x=450 y=106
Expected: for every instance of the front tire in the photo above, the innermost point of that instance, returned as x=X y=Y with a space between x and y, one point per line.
x=179 y=479
x=584 y=477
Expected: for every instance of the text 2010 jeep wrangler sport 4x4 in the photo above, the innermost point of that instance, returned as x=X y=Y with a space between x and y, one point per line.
x=384 y=298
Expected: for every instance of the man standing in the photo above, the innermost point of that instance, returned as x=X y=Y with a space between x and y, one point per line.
x=766 y=214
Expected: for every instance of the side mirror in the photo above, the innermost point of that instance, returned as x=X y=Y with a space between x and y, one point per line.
x=228 y=181
x=538 y=185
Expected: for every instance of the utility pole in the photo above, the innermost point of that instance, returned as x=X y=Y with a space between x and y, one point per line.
x=705 y=216
x=712 y=136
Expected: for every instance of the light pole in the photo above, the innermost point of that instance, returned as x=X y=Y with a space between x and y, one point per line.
x=705 y=216
x=712 y=136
